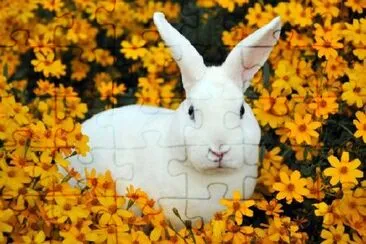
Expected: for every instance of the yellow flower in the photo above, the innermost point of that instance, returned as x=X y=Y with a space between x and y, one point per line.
x=360 y=124
x=324 y=105
x=257 y=16
x=353 y=203
x=160 y=227
x=327 y=45
x=79 y=70
x=286 y=78
x=5 y=215
x=139 y=237
x=47 y=64
x=354 y=93
x=206 y=3
x=302 y=129
x=326 y=8
x=272 y=158
x=103 y=57
x=111 y=234
x=343 y=171
x=291 y=187
x=331 y=214
x=78 y=140
x=237 y=234
x=355 y=33
x=111 y=209
x=79 y=233
x=282 y=229
x=285 y=10
x=271 y=208
x=228 y=4
x=302 y=16
x=358 y=239
x=218 y=224
x=271 y=176
x=237 y=207
x=12 y=177
x=315 y=188
x=235 y=35
x=136 y=195
x=271 y=108
x=110 y=90
x=134 y=49
x=35 y=237
x=335 y=68
x=65 y=209
x=106 y=184
x=356 y=5
x=157 y=58
x=55 y=5
x=335 y=235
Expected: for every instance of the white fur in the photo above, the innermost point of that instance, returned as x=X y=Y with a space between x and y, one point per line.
x=165 y=152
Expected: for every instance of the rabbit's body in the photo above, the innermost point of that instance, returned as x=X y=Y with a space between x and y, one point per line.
x=143 y=153
x=211 y=140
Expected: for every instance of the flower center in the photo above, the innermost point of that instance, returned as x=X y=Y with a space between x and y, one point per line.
x=218 y=216
x=235 y=228
x=352 y=205
x=290 y=187
x=81 y=237
x=94 y=202
x=67 y=207
x=22 y=191
x=357 y=90
x=327 y=44
x=343 y=170
x=79 y=137
x=337 y=237
x=302 y=127
x=94 y=182
x=112 y=208
x=11 y=174
x=106 y=185
x=236 y=206
x=323 y=103
x=111 y=230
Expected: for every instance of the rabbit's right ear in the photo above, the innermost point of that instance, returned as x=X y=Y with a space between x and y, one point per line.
x=190 y=62
x=249 y=55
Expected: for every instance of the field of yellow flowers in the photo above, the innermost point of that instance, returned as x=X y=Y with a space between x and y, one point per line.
x=65 y=60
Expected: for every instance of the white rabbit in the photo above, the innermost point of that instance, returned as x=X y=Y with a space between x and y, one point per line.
x=178 y=157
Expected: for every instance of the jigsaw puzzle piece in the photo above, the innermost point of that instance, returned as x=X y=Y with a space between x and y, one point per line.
x=191 y=208
x=216 y=191
x=197 y=182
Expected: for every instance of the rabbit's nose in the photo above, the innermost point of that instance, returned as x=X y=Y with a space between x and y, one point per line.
x=219 y=153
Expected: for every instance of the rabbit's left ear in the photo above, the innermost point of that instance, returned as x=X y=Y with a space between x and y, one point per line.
x=190 y=62
x=249 y=55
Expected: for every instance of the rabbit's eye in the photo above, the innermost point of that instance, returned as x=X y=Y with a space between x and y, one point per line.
x=242 y=111
x=191 y=112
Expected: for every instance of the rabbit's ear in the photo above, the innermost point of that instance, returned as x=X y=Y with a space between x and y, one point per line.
x=249 y=55
x=189 y=60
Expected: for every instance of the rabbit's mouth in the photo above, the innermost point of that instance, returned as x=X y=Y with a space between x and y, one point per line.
x=217 y=156
x=220 y=160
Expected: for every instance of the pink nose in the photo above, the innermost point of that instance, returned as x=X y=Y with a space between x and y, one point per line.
x=218 y=154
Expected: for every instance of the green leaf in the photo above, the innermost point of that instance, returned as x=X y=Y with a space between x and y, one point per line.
x=5 y=71
x=266 y=75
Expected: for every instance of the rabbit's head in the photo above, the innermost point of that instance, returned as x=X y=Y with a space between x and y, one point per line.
x=219 y=129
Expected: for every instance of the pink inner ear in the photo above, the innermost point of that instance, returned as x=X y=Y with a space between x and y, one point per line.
x=251 y=53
